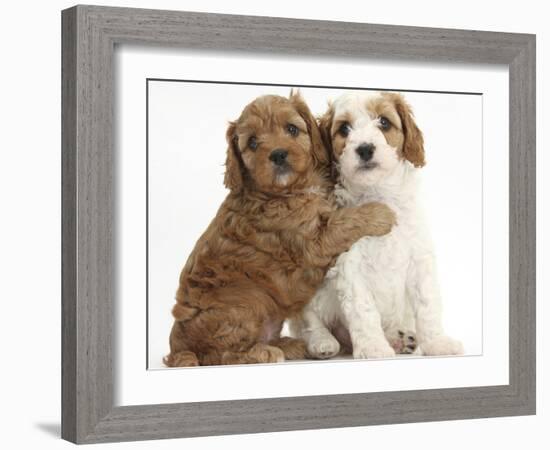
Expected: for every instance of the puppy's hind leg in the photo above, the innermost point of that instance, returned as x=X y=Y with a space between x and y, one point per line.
x=402 y=341
x=423 y=291
x=181 y=359
x=180 y=353
x=292 y=348
x=259 y=353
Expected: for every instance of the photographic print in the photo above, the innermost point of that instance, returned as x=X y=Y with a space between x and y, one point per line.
x=292 y=232
x=294 y=224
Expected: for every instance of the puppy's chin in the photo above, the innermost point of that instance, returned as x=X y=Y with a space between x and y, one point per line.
x=367 y=167
x=282 y=180
x=283 y=177
x=362 y=175
x=279 y=180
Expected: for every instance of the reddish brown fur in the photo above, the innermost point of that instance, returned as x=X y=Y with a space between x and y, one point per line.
x=412 y=147
x=269 y=246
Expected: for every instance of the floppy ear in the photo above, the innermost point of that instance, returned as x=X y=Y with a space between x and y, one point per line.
x=320 y=152
x=233 y=179
x=413 y=146
x=325 y=127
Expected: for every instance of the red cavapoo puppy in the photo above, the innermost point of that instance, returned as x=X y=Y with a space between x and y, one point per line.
x=267 y=250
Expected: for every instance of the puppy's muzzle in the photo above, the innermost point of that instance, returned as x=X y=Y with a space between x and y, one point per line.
x=278 y=157
x=365 y=151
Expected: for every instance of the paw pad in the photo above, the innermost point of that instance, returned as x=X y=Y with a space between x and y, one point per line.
x=404 y=343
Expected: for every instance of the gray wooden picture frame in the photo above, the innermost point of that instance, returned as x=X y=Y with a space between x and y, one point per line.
x=90 y=34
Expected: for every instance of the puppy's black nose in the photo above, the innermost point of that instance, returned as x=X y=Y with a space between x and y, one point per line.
x=365 y=151
x=278 y=156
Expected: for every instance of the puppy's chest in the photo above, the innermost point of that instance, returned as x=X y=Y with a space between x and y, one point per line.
x=391 y=252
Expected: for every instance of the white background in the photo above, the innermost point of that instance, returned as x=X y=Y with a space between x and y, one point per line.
x=187 y=124
x=30 y=225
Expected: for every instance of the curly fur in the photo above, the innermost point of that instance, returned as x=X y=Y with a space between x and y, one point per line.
x=383 y=289
x=267 y=250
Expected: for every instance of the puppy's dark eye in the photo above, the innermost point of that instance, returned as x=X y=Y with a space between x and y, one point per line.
x=384 y=123
x=292 y=129
x=344 y=129
x=252 y=143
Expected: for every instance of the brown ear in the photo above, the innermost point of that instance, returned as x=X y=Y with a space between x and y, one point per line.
x=320 y=152
x=325 y=127
x=413 y=146
x=233 y=179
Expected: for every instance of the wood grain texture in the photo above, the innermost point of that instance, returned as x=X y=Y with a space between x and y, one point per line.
x=522 y=191
x=68 y=225
x=88 y=208
x=89 y=204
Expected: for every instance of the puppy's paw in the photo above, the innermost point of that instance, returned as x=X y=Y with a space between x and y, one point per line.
x=181 y=359
x=403 y=342
x=442 y=345
x=378 y=219
x=291 y=347
x=264 y=353
x=373 y=349
x=323 y=346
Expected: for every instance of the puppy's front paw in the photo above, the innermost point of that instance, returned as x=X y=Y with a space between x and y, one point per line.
x=442 y=345
x=379 y=219
x=373 y=349
x=323 y=346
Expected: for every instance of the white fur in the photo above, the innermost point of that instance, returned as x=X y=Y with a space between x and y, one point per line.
x=382 y=284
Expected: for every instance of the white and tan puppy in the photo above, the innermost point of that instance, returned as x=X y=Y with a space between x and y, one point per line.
x=384 y=290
